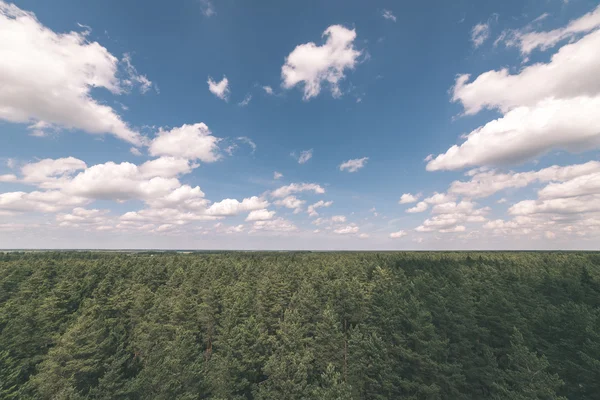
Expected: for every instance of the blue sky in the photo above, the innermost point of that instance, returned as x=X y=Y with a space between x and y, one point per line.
x=145 y=125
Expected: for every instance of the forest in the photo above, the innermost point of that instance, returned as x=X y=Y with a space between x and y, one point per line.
x=300 y=325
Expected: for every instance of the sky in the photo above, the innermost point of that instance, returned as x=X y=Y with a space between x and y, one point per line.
x=338 y=125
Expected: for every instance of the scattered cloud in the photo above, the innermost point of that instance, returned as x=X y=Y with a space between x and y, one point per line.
x=207 y=8
x=408 y=198
x=305 y=156
x=312 y=65
x=277 y=175
x=397 y=235
x=291 y=202
x=246 y=100
x=480 y=33
x=187 y=141
x=133 y=77
x=260 y=215
x=346 y=230
x=527 y=40
x=61 y=93
x=297 y=188
x=248 y=141
x=312 y=209
x=219 y=89
x=545 y=106
x=268 y=90
x=354 y=165
x=135 y=151
x=387 y=14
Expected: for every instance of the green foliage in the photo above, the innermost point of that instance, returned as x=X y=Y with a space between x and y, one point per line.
x=331 y=326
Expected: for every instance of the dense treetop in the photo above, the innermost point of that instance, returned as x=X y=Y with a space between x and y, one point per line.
x=234 y=325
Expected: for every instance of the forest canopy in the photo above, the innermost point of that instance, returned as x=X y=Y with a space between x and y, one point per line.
x=235 y=325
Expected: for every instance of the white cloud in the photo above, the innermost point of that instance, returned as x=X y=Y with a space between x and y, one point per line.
x=207 y=8
x=579 y=186
x=219 y=89
x=285 y=191
x=387 y=14
x=420 y=207
x=277 y=175
x=8 y=178
x=187 y=141
x=248 y=141
x=354 y=165
x=45 y=202
x=484 y=184
x=305 y=156
x=228 y=207
x=480 y=33
x=246 y=100
x=399 y=234
x=526 y=132
x=166 y=167
x=47 y=77
x=135 y=151
x=276 y=225
x=81 y=216
x=124 y=181
x=449 y=216
x=528 y=40
x=338 y=219
x=51 y=172
x=312 y=209
x=291 y=202
x=407 y=198
x=268 y=90
x=346 y=230
x=260 y=215
x=561 y=78
x=133 y=76
x=313 y=65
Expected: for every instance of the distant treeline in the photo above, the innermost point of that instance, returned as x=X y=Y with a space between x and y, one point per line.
x=90 y=325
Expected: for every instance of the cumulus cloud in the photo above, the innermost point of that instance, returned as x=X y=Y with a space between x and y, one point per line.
x=560 y=78
x=260 y=215
x=57 y=91
x=285 y=191
x=486 y=183
x=449 y=216
x=312 y=65
x=397 y=235
x=36 y=201
x=8 y=178
x=545 y=106
x=277 y=175
x=291 y=202
x=312 y=209
x=219 y=89
x=346 y=230
x=187 y=141
x=420 y=207
x=276 y=225
x=338 y=218
x=527 y=132
x=408 y=198
x=51 y=172
x=268 y=90
x=228 y=207
x=354 y=165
